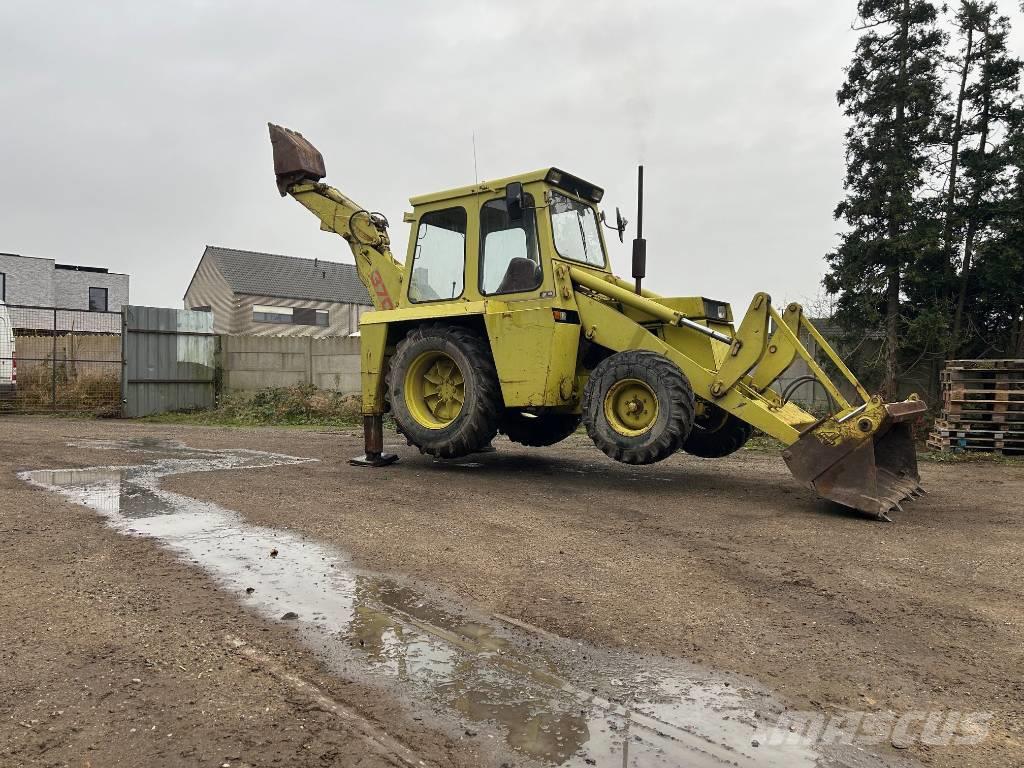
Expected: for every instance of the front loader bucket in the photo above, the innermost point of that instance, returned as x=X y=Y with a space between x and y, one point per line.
x=295 y=159
x=873 y=473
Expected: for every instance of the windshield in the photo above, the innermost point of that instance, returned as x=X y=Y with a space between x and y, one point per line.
x=575 y=227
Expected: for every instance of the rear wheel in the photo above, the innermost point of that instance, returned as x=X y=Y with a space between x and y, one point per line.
x=444 y=391
x=540 y=430
x=638 y=407
x=717 y=433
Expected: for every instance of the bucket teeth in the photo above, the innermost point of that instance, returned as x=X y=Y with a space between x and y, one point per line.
x=897 y=489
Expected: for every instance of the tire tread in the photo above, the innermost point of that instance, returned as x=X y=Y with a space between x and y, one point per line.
x=482 y=423
x=645 y=366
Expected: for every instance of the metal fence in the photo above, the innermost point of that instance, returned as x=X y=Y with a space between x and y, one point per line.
x=63 y=360
x=170 y=360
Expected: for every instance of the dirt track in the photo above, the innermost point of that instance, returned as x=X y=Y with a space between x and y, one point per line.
x=728 y=563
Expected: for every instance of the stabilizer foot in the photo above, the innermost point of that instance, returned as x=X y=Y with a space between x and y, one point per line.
x=373 y=460
x=373 y=444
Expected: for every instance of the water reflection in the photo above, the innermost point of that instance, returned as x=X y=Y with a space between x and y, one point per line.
x=556 y=701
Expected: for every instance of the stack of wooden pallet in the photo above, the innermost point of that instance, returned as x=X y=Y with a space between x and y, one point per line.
x=982 y=407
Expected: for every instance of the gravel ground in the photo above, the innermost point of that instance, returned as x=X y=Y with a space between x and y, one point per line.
x=114 y=653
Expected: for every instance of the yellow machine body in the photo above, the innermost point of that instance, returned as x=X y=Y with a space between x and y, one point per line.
x=543 y=337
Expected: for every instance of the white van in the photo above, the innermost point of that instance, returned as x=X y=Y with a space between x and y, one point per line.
x=8 y=362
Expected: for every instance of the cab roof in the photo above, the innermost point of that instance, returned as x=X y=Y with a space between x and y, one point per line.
x=554 y=176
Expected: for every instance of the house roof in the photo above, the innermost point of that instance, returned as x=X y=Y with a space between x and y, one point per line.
x=288 y=277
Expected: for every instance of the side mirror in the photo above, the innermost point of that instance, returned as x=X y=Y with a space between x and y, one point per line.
x=620 y=223
x=514 y=202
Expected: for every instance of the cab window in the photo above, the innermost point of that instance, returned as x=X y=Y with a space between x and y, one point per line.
x=509 y=255
x=575 y=228
x=438 y=266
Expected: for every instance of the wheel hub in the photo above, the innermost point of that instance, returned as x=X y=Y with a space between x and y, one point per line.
x=631 y=407
x=434 y=390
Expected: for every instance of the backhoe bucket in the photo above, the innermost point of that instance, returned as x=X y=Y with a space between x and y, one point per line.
x=873 y=473
x=295 y=159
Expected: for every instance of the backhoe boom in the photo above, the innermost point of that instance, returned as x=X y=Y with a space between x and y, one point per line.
x=299 y=168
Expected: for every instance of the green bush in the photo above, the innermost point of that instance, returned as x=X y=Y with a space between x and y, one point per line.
x=302 y=404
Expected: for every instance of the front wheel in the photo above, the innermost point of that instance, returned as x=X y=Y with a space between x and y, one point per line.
x=444 y=391
x=638 y=407
x=539 y=430
x=717 y=433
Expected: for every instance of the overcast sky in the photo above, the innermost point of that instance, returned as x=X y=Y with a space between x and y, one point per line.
x=133 y=134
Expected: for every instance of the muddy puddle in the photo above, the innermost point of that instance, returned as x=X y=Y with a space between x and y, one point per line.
x=518 y=690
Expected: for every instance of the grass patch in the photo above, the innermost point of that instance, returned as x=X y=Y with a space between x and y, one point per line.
x=298 y=406
x=969 y=457
x=759 y=441
x=78 y=392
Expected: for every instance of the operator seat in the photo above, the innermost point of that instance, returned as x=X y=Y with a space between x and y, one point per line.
x=521 y=275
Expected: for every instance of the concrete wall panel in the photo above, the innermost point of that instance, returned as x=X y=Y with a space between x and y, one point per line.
x=256 y=362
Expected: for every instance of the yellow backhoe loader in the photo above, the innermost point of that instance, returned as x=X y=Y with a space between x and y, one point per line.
x=506 y=317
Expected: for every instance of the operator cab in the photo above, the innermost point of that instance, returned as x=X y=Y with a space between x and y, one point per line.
x=497 y=239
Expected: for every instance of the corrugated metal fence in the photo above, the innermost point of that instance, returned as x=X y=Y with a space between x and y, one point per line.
x=170 y=360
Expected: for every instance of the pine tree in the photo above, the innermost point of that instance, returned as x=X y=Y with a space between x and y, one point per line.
x=965 y=64
x=996 y=306
x=891 y=94
x=989 y=100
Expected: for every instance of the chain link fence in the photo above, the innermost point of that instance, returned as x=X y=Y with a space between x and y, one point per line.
x=60 y=360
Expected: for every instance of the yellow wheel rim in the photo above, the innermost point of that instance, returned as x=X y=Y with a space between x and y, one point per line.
x=434 y=390
x=631 y=407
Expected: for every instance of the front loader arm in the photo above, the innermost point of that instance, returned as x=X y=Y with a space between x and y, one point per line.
x=603 y=324
x=299 y=167
x=862 y=456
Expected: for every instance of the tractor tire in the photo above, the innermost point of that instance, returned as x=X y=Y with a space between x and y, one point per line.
x=538 y=431
x=444 y=392
x=717 y=433
x=638 y=407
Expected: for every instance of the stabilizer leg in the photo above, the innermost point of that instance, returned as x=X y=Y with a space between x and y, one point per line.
x=373 y=444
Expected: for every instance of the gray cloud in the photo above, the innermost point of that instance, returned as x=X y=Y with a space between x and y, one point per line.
x=134 y=133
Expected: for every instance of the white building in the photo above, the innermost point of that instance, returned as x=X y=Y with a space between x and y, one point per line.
x=265 y=294
x=38 y=282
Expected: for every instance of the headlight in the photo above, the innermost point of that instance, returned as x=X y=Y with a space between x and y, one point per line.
x=716 y=310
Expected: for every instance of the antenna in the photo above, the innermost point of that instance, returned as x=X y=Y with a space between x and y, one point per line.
x=476 y=176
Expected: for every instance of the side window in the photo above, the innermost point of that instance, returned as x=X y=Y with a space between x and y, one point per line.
x=439 y=261
x=97 y=299
x=509 y=257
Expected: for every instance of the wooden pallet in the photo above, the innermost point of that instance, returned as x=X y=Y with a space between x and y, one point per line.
x=991 y=444
x=997 y=382
x=982 y=419
x=982 y=407
x=944 y=428
x=998 y=398
x=985 y=365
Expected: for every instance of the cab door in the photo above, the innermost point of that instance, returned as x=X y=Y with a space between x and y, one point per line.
x=534 y=353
